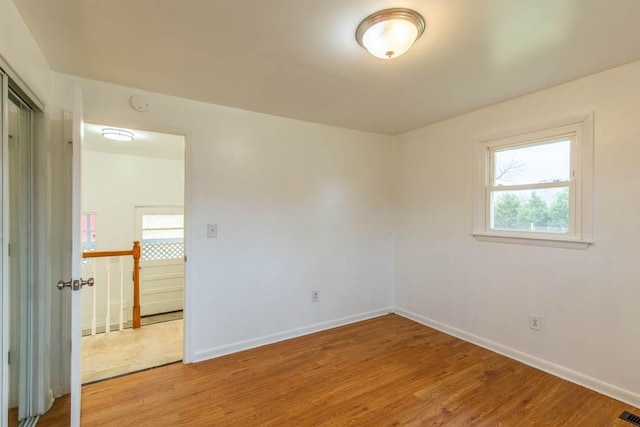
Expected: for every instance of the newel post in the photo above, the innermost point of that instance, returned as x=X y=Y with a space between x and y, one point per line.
x=136 y=285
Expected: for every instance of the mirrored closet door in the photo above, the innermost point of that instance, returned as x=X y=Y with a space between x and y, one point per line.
x=18 y=134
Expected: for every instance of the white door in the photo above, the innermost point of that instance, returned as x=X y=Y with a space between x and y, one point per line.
x=76 y=283
x=76 y=259
x=160 y=230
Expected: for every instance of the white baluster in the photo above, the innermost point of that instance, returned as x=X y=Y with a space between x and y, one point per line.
x=121 y=294
x=107 y=320
x=94 y=261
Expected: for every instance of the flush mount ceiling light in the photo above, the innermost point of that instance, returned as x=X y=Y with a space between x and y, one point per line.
x=391 y=32
x=117 y=134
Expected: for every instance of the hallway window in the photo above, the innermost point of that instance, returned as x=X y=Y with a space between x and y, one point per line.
x=162 y=236
x=88 y=230
x=88 y=234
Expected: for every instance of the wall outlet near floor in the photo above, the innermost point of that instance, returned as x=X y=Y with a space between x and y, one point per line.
x=315 y=296
x=535 y=322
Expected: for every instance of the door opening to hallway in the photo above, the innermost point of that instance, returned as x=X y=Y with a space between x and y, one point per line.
x=133 y=191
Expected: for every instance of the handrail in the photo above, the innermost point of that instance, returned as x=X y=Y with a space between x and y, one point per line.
x=135 y=252
x=102 y=254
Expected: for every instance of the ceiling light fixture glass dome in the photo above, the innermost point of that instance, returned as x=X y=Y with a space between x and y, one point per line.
x=389 y=33
x=117 y=134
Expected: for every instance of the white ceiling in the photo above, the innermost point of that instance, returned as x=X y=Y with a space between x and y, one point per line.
x=300 y=59
x=144 y=144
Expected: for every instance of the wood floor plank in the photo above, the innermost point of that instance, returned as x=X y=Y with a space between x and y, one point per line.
x=381 y=372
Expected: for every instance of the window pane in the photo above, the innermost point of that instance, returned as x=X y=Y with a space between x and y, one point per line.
x=542 y=211
x=162 y=236
x=88 y=235
x=535 y=164
x=162 y=221
x=88 y=231
x=88 y=227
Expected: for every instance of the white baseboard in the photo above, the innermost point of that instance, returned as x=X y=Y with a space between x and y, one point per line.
x=202 y=355
x=591 y=383
x=166 y=305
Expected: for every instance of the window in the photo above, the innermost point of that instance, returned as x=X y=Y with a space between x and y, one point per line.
x=534 y=186
x=162 y=236
x=88 y=230
x=88 y=234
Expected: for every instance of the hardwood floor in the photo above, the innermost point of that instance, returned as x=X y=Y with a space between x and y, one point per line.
x=381 y=372
x=13 y=418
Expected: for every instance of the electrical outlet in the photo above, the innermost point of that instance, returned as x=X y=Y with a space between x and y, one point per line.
x=535 y=322
x=315 y=296
x=212 y=231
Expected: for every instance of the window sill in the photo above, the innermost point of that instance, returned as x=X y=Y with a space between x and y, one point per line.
x=534 y=241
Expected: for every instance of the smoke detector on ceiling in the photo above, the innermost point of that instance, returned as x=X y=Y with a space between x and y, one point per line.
x=140 y=103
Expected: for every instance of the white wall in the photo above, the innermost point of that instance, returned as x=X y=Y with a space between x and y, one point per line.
x=484 y=291
x=299 y=207
x=21 y=52
x=112 y=186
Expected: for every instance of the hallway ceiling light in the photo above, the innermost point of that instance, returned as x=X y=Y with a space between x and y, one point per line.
x=117 y=134
x=391 y=32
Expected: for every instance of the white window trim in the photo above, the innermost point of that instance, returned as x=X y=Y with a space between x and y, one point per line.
x=582 y=166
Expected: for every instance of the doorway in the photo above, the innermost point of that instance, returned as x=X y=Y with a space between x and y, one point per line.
x=122 y=178
x=160 y=231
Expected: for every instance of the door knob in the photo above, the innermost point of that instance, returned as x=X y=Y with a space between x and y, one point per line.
x=76 y=285
x=62 y=284
x=89 y=282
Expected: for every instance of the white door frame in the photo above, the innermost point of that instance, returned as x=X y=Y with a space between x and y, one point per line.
x=4 y=394
x=76 y=260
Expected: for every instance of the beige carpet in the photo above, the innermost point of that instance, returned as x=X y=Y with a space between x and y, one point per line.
x=109 y=355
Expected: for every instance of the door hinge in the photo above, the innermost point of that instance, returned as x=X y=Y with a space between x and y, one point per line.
x=185 y=258
x=9 y=249
x=8 y=358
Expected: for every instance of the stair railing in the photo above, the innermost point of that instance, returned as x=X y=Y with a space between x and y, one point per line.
x=135 y=253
